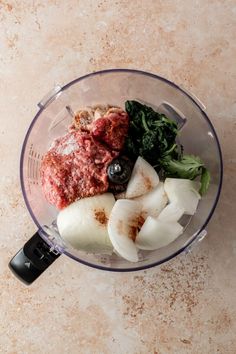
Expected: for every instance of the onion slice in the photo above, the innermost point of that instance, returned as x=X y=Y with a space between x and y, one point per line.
x=143 y=179
x=155 y=234
x=183 y=192
x=123 y=226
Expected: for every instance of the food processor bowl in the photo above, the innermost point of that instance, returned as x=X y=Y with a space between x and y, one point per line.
x=114 y=87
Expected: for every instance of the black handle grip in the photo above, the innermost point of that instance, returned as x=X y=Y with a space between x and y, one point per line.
x=32 y=259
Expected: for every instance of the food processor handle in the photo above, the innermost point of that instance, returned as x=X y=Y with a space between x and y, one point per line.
x=33 y=259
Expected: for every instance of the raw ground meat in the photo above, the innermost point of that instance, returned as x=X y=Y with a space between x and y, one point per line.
x=76 y=165
x=111 y=129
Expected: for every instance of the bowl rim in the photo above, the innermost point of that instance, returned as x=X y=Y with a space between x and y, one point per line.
x=174 y=254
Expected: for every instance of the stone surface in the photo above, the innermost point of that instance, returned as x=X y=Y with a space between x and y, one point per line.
x=188 y=304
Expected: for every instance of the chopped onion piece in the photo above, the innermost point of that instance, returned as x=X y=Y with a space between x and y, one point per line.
x=155 y=234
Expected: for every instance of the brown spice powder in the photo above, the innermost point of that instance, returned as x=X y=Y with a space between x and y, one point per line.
x=101 y=217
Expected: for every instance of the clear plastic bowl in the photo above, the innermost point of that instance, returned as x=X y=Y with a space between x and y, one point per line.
x=115 y=87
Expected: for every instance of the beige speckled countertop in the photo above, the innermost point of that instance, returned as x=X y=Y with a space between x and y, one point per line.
x=185 y=306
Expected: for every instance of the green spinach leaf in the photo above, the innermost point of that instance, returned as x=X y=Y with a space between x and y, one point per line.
x=205 y=181
x=153 y=136
x=188 y=167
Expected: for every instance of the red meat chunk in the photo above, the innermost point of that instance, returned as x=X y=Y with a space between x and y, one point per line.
x=111 y=129
x=75 y=167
